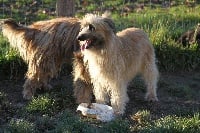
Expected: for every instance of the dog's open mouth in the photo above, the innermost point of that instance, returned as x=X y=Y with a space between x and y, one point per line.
x=85 y=44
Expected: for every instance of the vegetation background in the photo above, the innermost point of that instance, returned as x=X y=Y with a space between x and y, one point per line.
x=54 y=111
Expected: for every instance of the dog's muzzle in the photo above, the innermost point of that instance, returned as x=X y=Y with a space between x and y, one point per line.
x=81 y=37
x=85 y=42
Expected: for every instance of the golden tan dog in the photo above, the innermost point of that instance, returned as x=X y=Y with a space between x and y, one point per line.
x=45 y=46
x=111 y=61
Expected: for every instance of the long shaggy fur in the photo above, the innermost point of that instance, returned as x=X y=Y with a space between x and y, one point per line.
x=45 y=46
x=82 y=82
x=112 y=60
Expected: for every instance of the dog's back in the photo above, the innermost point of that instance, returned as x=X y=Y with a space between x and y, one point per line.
x=135 y=46
x=134 y=36
x=53 y=33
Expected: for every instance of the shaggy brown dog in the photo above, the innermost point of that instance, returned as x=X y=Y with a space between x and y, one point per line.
x=45 y=46
x=110 y=61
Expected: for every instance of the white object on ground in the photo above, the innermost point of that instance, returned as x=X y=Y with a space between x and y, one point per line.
x=101 y=112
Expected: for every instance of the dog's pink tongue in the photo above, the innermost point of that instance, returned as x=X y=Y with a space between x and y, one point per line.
x=82 y=47
x=85 y=45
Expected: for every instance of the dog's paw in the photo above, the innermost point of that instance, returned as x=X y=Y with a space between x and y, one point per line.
x=151 y=98
x=28 y=95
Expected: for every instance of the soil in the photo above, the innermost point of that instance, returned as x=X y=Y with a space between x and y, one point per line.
x=178 y=93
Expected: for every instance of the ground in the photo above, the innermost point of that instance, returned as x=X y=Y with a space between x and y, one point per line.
x=178 y=94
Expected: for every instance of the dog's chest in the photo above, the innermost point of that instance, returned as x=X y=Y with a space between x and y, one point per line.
x=95 y=64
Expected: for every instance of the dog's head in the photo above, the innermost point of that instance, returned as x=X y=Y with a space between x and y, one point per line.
x=95 y=31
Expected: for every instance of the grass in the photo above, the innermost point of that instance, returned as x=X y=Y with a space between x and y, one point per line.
x=166 y=124
x=68 y=123
x=41 y=104
x=20 y=126
x=174 y=124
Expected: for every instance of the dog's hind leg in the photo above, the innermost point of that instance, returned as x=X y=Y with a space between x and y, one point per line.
x=34 y=80
x=32 y=83
x=151 y=75
x=30 y=86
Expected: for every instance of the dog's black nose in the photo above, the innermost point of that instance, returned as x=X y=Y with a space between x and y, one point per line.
x=81 y=37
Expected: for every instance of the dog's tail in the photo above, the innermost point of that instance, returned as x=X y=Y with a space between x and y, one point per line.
x=10 y=24
x=17 y=35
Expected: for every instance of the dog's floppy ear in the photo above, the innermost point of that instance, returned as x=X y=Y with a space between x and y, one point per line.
x=110 y=23
x=76 y=46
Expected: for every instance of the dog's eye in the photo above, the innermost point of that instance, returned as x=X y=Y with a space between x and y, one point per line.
x=91 y=27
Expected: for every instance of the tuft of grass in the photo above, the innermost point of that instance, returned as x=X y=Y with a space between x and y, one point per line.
x=174 y=124
x=41 y=104
x=142 y=117
x=45 y=123
x=63 y=96
x=20 y=126
x=116 y=126
x=68 y=123
x=166 y=124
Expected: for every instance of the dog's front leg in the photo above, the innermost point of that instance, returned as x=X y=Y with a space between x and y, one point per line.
x=82 y=91
x=100 y=94
x=119 y=98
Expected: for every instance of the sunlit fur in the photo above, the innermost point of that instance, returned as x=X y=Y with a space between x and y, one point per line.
x=114 y=62
x=45 y=46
